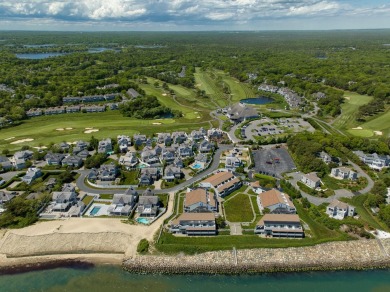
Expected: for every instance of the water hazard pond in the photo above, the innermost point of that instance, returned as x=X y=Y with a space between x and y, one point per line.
x=257 y=100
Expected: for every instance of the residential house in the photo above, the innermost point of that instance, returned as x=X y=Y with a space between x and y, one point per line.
x=139 y=140
x=149 y=156
x=194 y=224
x=256 y=187
x=148 y=204
x=122 y=204
x=73 y=109
x=123 y=142
x=54 y=158
x=6 y=197
x=179 y=137
x=129 y=160
x=280 y=225
x=107 y=172
x=241 y=112
x=105 y=146
x=276 y=202
x=311 y=180
x=184 y=151
x=232 y=162
x=200 y=201
x=55 y=110
x=5 y=163
x=93 y=108
x=80 y=146
x=171 y=173
x=63 y=200
x=374 y=160
x=32 y=174
x=215 y=134
x=64 y=146
x=149 y=175
x=83 y=154
x=164 y=138
x=178 y=162
x=73 y=161
x=222 y=182
x=77 y=209
x=168 y=155
x=339 y=210
x=201 y=157
x=205 y=147
x=343 y=173
x=34 y=113
x=133 y=93
x=198 y=135
x=325 y=157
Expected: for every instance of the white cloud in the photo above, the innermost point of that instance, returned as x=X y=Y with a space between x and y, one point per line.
x=179 y=12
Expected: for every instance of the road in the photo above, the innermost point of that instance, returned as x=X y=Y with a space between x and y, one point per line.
x=80 y=182
x=342 y=193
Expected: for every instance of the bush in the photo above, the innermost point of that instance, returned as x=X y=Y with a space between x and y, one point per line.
x=143 y=246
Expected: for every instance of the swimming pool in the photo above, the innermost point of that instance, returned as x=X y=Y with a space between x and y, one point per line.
x=143 y=220
x=197 y=165
x=94 y=211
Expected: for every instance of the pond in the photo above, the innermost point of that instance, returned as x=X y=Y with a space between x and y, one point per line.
x=257 y=100
x=38 y=56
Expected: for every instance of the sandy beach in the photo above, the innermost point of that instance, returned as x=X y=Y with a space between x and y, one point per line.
x=92 y=240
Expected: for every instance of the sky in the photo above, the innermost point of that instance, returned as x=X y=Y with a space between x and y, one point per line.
x=195 y=15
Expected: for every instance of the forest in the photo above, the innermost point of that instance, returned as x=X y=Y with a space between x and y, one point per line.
x=306 y=62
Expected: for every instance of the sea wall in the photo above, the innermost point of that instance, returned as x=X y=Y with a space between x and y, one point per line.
x=334 y=255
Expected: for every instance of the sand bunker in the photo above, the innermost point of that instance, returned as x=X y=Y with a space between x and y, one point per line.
x=347 y=97
x=156 y=123
x=379 y=133
x=164 y=94
x=91 y=131
x=10 y=138
x=198 y=117
x=39 y=148
x=60 y=129
x=22 y=141
x=68 y=128
x=357 y=128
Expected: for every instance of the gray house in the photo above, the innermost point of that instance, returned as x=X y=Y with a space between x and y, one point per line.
x=172 y=173
x=149 y=175
x=148 y=204
x=63 y=200
x=73 y=161
x=122 y=204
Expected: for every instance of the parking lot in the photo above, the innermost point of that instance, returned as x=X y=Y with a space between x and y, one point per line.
x=273 y=161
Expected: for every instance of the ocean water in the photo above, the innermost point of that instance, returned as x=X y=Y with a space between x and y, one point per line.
x=110 y=278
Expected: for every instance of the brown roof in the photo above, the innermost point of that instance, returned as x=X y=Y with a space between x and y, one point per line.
x=273 y=197
x=312 y=176
x=338 y=204
x=194 y=217
x=218 y=178
x=279 y=218
x=199 y=195
x=228 y=185
x=255 y=184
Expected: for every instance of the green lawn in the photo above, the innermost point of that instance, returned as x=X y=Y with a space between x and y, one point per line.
x=106 y=196
x=87 y=200
x=353 y=101
x=379 y=123
x=238 y=209
x=110 y=124
x=365 y=215
x=130 y=178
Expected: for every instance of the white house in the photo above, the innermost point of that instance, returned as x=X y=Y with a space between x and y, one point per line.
x=339 y=210
x=311 y=180
x=280 y=225
x=343 y=173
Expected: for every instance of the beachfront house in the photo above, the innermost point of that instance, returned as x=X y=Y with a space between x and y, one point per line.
x=148 y=204
x=311 y=180
x=200 y=201
x=6 y=197
x=339 y=210
x=62 y=201
x=194 y=224
x=276 y=202
x=122 y=204
x=280 y=225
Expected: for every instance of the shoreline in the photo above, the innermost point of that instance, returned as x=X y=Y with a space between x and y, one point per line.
x=10 y=266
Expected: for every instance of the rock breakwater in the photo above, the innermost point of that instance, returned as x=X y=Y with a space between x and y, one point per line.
x=328 y=256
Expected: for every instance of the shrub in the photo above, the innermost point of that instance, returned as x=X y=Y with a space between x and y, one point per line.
x=143 y=246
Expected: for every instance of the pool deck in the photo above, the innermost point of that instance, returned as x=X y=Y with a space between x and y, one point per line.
x=103 y=210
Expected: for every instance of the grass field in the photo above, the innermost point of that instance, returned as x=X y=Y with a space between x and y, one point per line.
x=379 y=123
x=110 y=124
x=238 y=209
x=353 y=101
